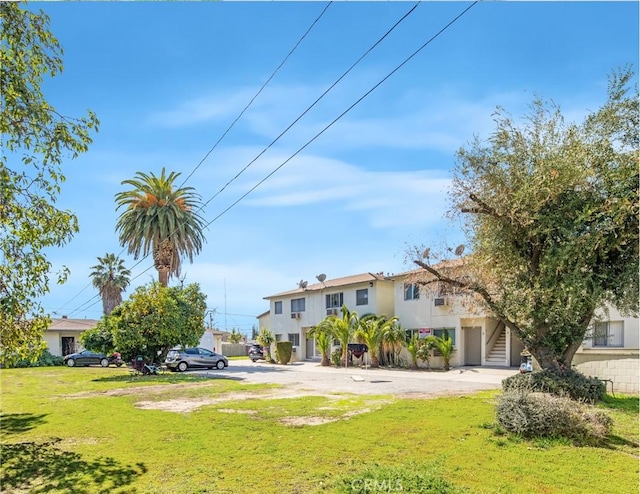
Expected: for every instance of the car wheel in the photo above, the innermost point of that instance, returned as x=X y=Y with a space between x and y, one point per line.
x=71 y=362
x=220 y=365
x=182 y=366
x=254 y=360
x=104 y=362
x=119 y=364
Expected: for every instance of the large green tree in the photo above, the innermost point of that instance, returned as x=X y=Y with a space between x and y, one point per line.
x=111 y=278
x=155 y=319
x=161 y=219
x=36 y=140
x=551 y=212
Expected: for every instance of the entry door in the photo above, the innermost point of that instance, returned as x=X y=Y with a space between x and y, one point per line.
x=68 y=345
x=310 y=348
x=472 y=345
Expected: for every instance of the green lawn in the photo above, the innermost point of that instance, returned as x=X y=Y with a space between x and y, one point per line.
x=90 y=430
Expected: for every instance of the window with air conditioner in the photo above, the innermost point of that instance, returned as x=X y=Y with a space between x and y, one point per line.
x=334 y=300
x=362 y=297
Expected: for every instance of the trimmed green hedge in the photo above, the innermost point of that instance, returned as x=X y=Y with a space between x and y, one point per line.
x=284 y=350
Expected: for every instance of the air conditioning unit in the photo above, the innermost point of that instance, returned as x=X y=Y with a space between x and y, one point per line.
x=295 y=315
x=440 y=301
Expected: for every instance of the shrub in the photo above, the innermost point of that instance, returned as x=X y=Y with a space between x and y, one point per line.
x=336 y=356
x=284 y=350
x=569 y=383
x=546 y=415
x=44 y=360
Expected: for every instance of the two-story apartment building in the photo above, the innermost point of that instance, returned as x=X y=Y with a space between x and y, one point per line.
x=610 y=352
x=293 y=313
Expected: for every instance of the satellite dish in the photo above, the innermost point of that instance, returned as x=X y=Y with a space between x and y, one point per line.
x=302 y=284
x=321 y=277
x=459 y=250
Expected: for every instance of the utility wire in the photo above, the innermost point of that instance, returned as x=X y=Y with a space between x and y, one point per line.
x=224 y=134
x=314 y=103
x=398 y=67
x=371 y=48
x=258 y=93
x=373 y=88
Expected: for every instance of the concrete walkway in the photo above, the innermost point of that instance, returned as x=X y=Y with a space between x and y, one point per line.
x=311 y=376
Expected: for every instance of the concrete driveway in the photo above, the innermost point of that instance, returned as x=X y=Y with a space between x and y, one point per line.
x=311 y=376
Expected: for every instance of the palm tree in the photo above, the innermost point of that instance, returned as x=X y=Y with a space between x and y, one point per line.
x=371 y=330
x=162 y=220
x=111 y=278
x=341 y=329
x=444 y=344
x=323 y=341
x=392 y=342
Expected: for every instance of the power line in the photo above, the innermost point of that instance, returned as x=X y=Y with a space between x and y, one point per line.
x=258 y=93
x=224 y=134
x=343 y=113
x=373 y=88
x=313 y=104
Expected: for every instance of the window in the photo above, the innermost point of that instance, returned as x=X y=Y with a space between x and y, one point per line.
x=277 y=307
x=450 y=332
x=278 y=337
x=411 y=291
x=297 y=305
x=294 y=338
x=608 y=333
x=362 y=297
x=334 y=300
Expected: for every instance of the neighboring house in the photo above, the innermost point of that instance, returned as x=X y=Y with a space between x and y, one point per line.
x=293 y=313
x=63 y=336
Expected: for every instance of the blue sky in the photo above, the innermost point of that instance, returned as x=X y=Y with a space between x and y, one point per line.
x=167 y=79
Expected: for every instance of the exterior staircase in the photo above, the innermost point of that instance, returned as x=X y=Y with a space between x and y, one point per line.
x=498 y=354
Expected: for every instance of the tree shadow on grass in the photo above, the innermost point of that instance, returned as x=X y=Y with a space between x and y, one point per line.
x=17 y=423
x=43 y=467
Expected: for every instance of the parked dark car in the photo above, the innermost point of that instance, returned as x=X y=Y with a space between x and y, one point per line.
x=256 y=352
x=86 y=357
x=181 y=359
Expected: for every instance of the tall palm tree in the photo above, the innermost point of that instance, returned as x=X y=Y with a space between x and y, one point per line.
x=162 y=220
x=111 y=278
x=371 y=331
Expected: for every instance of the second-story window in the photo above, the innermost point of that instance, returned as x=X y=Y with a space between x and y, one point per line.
x=277 y=307
x=297 y=305
x=334 y=300
x=411 y=291
x=362 y=297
